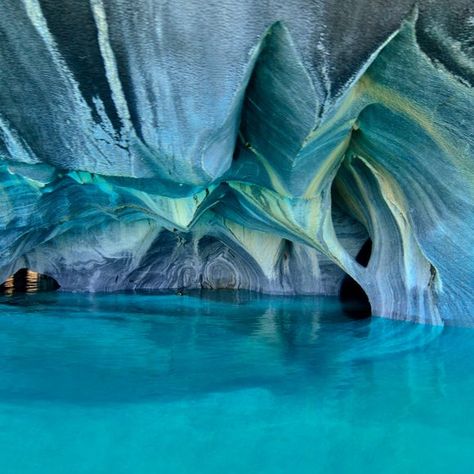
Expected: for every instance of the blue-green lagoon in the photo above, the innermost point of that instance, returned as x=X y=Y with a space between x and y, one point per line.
x=228 y=383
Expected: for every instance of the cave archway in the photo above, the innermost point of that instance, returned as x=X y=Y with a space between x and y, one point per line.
x=355 y=302
x=28 y=281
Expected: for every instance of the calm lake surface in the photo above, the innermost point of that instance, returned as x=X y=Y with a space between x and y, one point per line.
x=228 y=383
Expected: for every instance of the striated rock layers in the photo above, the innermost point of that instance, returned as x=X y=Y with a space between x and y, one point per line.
x=242 y=144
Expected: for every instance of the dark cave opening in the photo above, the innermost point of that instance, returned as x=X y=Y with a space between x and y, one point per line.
x=355 y=302
x=28 y=281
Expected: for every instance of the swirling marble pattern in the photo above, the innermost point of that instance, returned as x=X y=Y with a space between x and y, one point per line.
x=172 y=145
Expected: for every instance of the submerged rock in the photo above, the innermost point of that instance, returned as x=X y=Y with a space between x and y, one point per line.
x=176 y=145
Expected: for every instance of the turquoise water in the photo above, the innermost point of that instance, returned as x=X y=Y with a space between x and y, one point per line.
x=228 y=383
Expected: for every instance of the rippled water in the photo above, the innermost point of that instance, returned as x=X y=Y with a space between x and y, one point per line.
x=228 y=383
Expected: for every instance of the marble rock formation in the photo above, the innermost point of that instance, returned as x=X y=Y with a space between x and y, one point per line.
x=242 y=144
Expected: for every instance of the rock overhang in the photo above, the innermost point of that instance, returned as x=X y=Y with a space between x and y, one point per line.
x=270 y=176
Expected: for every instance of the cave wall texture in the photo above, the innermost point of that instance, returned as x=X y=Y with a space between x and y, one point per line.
x=242 y=144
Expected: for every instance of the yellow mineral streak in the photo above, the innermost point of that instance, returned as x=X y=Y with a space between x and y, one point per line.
x=320 y=178
x=263 y=247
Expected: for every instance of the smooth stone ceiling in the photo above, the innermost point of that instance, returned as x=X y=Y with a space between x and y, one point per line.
x=251 y=145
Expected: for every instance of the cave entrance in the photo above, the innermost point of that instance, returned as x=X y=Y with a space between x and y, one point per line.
x=355 y=302
x=28 y=281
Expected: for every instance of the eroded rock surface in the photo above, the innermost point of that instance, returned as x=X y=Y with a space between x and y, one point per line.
x=245 y=144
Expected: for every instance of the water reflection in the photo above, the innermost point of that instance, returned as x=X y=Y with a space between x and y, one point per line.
x=27 y=281
x=232 y=376
x=125 y=347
